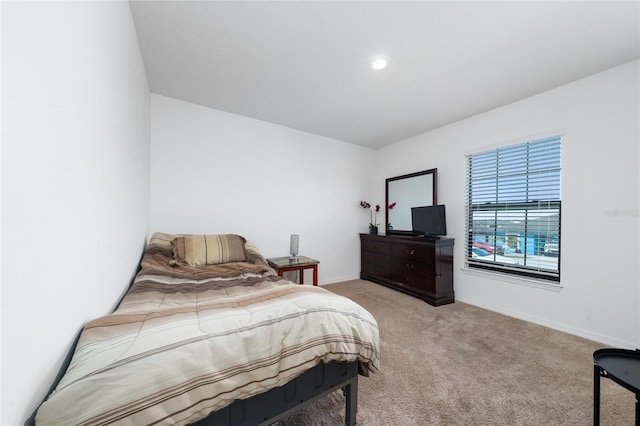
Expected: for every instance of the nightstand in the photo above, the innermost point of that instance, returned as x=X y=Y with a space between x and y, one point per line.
x=284 y=264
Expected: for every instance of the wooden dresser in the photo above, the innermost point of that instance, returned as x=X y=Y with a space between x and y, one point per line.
x=421 y=267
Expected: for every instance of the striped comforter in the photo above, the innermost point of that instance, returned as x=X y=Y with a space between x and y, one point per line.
x=187 y=341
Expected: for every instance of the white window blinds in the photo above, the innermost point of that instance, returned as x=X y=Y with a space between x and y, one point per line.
x=513 y=209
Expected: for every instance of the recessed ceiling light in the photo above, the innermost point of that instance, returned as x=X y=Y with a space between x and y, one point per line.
x=379 y=63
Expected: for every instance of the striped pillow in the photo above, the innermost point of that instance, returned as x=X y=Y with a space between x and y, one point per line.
x=199 y=250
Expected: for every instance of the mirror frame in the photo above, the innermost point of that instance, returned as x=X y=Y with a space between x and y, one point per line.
x=434 y=200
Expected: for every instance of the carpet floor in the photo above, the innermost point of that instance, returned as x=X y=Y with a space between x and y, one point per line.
x=458 y=364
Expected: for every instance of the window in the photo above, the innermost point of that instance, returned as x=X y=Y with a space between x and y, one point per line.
x=513 y=216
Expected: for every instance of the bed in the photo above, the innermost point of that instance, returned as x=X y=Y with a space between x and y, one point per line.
x=209 y=334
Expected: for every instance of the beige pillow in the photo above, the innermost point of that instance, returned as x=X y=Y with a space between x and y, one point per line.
x=161 y=242
x=199 y=250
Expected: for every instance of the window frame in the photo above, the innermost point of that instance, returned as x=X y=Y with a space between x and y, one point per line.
x=526 y=207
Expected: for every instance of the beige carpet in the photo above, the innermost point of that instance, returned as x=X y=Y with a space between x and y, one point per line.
x=462 y=365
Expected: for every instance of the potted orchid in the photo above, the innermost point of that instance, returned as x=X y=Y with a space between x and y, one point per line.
x=373 y=225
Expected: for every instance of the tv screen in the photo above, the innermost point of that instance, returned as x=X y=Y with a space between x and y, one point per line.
x=429 y=220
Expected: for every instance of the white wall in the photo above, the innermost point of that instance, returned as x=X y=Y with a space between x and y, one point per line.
x=1 y=398
x=215 y=172
x=75 y=181
x=600 y=187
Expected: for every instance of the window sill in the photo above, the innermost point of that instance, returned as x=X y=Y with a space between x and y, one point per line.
x=529 y=282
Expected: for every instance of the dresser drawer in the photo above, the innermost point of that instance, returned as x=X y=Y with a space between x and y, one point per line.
x=376 y=269
x=376 y=258
x=413 y=267
x=414 y=282
x=408 y=251
x=376 y=246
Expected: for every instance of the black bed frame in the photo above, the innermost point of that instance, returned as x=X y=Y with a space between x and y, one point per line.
x=268 y=407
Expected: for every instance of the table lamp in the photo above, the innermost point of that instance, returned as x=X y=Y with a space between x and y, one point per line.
x=293 y=247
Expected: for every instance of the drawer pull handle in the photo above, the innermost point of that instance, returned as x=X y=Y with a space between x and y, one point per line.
x=410 y=252
x=410 y=266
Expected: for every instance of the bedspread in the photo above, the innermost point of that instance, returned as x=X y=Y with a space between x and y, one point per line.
x=187 y=341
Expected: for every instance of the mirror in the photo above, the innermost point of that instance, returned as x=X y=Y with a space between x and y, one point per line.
x=406 y=191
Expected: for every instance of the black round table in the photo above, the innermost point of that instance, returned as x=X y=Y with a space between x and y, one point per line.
x=620 y=365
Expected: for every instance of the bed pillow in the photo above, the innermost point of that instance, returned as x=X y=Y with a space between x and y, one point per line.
x=199 y=250
x=161 y=243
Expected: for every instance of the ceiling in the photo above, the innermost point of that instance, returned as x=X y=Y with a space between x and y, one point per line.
x=306 y=64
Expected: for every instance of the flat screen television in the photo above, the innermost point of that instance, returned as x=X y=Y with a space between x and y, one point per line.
x=429 y=221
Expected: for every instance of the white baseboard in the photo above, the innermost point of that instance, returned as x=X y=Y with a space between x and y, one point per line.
x=340 y=279
x=587 y=334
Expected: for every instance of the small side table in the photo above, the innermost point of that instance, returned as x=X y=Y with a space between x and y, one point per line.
x=284 y=264
x=623 y=367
